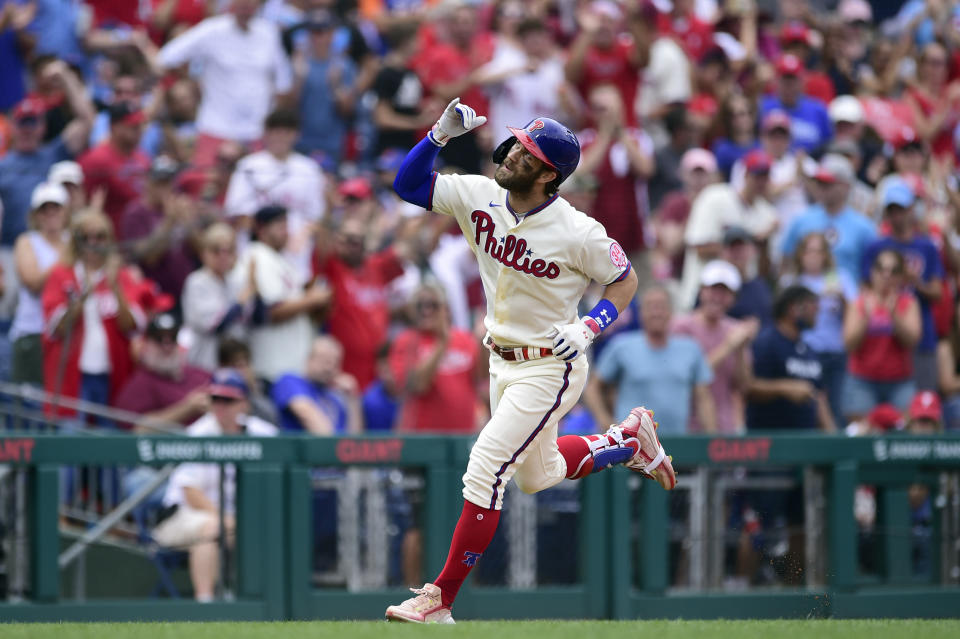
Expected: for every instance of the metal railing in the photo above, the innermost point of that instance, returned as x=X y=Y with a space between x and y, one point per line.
x=92 y=506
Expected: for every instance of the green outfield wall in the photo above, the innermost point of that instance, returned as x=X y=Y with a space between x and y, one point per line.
x=274 y=537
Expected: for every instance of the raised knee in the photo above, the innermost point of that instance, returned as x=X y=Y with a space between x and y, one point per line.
x=527 y=487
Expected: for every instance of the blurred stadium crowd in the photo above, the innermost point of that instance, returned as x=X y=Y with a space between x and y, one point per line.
x=190 y=185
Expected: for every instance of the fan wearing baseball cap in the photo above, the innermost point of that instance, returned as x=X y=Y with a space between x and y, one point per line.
x=117 y=164
x=810 y=126
x=754 y=300
x=723 y=205
x=846 y=115
x=70 y=175
x=193 y=493
x=786 y=190
x=925 y=272
x=926 y=414
x=848 y=231
x=164 y=387
x=161 y=228
x=28 y=160
x=35 y=253
x=723 y=340
x=796 y=39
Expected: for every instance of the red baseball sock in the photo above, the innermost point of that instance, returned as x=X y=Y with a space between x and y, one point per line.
x=576 y=452
x=471 y=537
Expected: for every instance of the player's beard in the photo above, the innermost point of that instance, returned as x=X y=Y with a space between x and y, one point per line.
x=520 y=184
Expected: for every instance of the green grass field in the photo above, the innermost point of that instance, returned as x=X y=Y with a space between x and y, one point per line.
x=816 y=629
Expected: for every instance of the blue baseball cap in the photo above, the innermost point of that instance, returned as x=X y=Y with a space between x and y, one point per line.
x=390 y=160
x=898 y=192
x=228 y=383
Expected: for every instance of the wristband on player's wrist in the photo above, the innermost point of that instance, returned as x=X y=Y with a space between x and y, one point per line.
x=437 y=137
x=603 y=315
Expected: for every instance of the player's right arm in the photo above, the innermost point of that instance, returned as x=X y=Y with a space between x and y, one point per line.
x=416 y=177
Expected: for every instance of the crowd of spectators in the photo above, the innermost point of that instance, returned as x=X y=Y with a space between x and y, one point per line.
x=190 y=185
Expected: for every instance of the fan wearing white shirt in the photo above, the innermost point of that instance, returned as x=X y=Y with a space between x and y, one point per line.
x=526 y=82
x=278 y=176
x=241 y=65
x=193 y=492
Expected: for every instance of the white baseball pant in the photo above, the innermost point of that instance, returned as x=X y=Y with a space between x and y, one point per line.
x=527 y=400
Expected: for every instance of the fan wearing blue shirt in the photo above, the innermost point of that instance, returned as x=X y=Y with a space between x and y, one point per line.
x=663 y=371
x=924 y=271
x=786 y=389
x=810 y=126
x=849 y=232
x=325 y=400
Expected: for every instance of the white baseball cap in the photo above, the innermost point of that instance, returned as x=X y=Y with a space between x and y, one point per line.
x=720 y=272
x=66 y=172
x=47 y=192
x=845 y=108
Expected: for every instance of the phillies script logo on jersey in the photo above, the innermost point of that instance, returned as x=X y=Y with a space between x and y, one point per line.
x=510 y=250
x=537 y=124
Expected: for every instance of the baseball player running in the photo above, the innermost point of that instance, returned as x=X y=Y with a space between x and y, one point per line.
x=537 y=254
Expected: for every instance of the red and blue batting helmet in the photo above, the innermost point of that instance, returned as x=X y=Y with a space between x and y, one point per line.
x=554 y=144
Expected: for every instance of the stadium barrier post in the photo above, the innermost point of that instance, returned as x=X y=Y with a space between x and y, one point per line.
x=45 y=542
x=260 y=537
x=654 y=546
x=842 y=526
x=299 y=547
x=896 y=540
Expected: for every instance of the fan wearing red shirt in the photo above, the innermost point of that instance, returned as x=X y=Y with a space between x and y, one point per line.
x=109 y=14
x=89 y=308
x=694 y=35
x=360 y=314
x=621 y=159
x=450 y=51
x=880 y=332
x=603 y=54
x=117 y=165
x=436 y=365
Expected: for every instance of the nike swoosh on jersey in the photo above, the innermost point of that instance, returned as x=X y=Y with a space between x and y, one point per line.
x=492 y=204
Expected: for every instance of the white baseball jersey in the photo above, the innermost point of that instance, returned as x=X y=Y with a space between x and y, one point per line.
x=534 y=268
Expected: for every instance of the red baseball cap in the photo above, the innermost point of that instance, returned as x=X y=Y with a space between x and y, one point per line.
x=794 y=32
x=885 y=417
x=926 y=405
x=357 y=187
x=789 y=65
x=776 y=119
x=757 y=161
x=29 y=108
x=126 y=113
x=905 y=136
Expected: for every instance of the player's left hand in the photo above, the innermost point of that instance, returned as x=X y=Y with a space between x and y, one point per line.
x=456 y=120
x=572 y=340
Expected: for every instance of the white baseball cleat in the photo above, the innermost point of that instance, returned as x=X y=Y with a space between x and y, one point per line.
x=426 y=607
x=650 y=459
